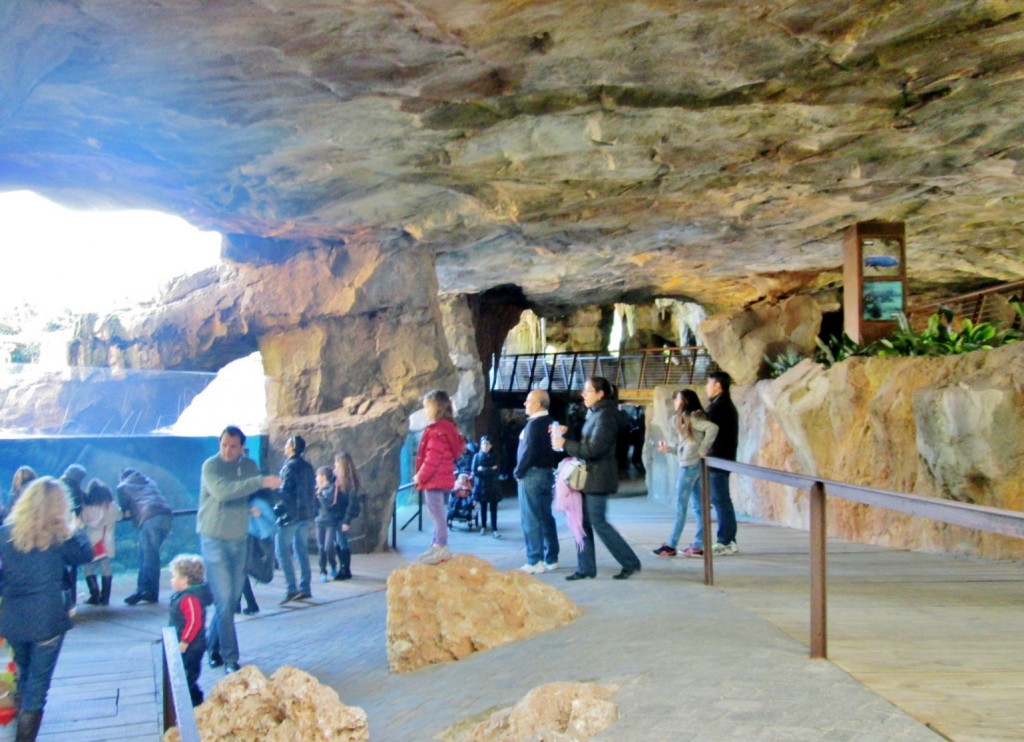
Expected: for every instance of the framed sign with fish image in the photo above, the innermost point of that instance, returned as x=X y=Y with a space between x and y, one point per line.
x=874 y=279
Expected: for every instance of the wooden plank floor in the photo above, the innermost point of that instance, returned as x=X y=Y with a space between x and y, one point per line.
x=936 y=635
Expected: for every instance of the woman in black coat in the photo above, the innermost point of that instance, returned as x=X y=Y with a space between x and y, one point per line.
x=36 y=545
x=596 y=447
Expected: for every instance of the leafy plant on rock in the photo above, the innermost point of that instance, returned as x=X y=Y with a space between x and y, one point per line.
x=837 y=349
x=940 y=338
x=782 y=362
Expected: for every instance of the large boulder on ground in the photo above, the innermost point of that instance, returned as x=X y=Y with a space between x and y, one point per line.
x=289 y=705
x=555 y=712
x=444 y=612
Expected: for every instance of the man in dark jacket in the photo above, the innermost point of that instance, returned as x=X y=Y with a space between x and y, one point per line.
x=72 y=478
x=141 y=500
x=295 y=508
x=722 y=412
x=535 y=467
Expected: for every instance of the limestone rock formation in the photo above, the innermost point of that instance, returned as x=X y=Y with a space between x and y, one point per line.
x=950 y=427
x=439 y=613
x=350 y=336
x=554 y=712
x=290 y=705
x=739 y=341
x=588 y=154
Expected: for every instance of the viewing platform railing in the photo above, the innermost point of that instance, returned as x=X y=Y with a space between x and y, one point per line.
x=987 y=305
x=991 y=520
x=177 y=702
x=629 y=370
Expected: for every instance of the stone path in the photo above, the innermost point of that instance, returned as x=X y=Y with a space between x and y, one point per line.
x=935 y=635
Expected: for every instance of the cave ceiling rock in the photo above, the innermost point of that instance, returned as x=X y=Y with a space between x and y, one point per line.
x=707 y=151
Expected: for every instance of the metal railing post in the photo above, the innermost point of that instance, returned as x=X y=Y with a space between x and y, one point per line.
x=177 y=702
x=705 y=514
x=394 y=522
x=819 y=558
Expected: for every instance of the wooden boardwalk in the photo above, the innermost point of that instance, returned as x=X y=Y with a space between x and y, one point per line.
x=938 y=636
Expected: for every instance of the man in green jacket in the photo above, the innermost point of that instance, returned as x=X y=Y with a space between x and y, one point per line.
x=227 y=481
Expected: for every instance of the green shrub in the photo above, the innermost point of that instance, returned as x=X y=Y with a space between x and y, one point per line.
x=940 y=338
x=838 y=349
x=781 y=363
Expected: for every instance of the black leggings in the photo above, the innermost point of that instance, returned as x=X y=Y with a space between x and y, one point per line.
x=492 y=506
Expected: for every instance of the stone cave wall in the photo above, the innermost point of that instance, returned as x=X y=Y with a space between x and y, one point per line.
x=950 y=427
x=351 y=337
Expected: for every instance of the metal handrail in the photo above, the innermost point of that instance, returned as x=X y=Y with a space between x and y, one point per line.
x=631 y=370
x=975 y=305
x=394 y=514
x=176 y=698
x=980 y=518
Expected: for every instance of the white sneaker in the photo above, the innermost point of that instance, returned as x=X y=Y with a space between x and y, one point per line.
x=533 y=569
x=496 y=534
x=725 y=549
x=441 y=554
x=551 y=567
x=428 y=553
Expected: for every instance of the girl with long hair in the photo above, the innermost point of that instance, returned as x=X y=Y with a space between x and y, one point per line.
x=36 y=545
x=693 y=435
x=440 y=447
x=346 y=504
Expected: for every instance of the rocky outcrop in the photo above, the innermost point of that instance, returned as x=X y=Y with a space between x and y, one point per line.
x=948 y=427
x=351 y=336
x=457 y=320
x=289 y=705
x=562 y=712
x=445 y=612
x=739 y=341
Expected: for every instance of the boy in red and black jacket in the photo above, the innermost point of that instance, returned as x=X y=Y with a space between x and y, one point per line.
x=188 y=616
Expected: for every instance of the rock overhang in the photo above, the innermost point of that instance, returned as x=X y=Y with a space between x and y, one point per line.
x=583 y=152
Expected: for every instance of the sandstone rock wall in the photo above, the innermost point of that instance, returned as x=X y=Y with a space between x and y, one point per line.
x=739 y=340
x=468 y=399
x=351 y=336
x=949 y=427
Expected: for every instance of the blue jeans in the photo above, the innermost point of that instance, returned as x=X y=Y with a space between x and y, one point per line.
x=687 y=484
x=722 y=503
x=225 y=571
x=152 y=533
x=595 y=508
x=36 y=662
x=539 y=529
x=294 y=537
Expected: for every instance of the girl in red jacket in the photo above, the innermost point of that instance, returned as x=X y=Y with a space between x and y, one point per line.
x=440 y=446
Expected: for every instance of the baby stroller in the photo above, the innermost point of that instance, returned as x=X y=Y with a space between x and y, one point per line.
x=462 y=505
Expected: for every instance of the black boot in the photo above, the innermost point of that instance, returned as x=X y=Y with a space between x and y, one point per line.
x=105 y=583
x=344 y=564
x=94 y=590
x=28 y=725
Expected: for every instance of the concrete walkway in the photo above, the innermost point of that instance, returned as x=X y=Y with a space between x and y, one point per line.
x=922 y=647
